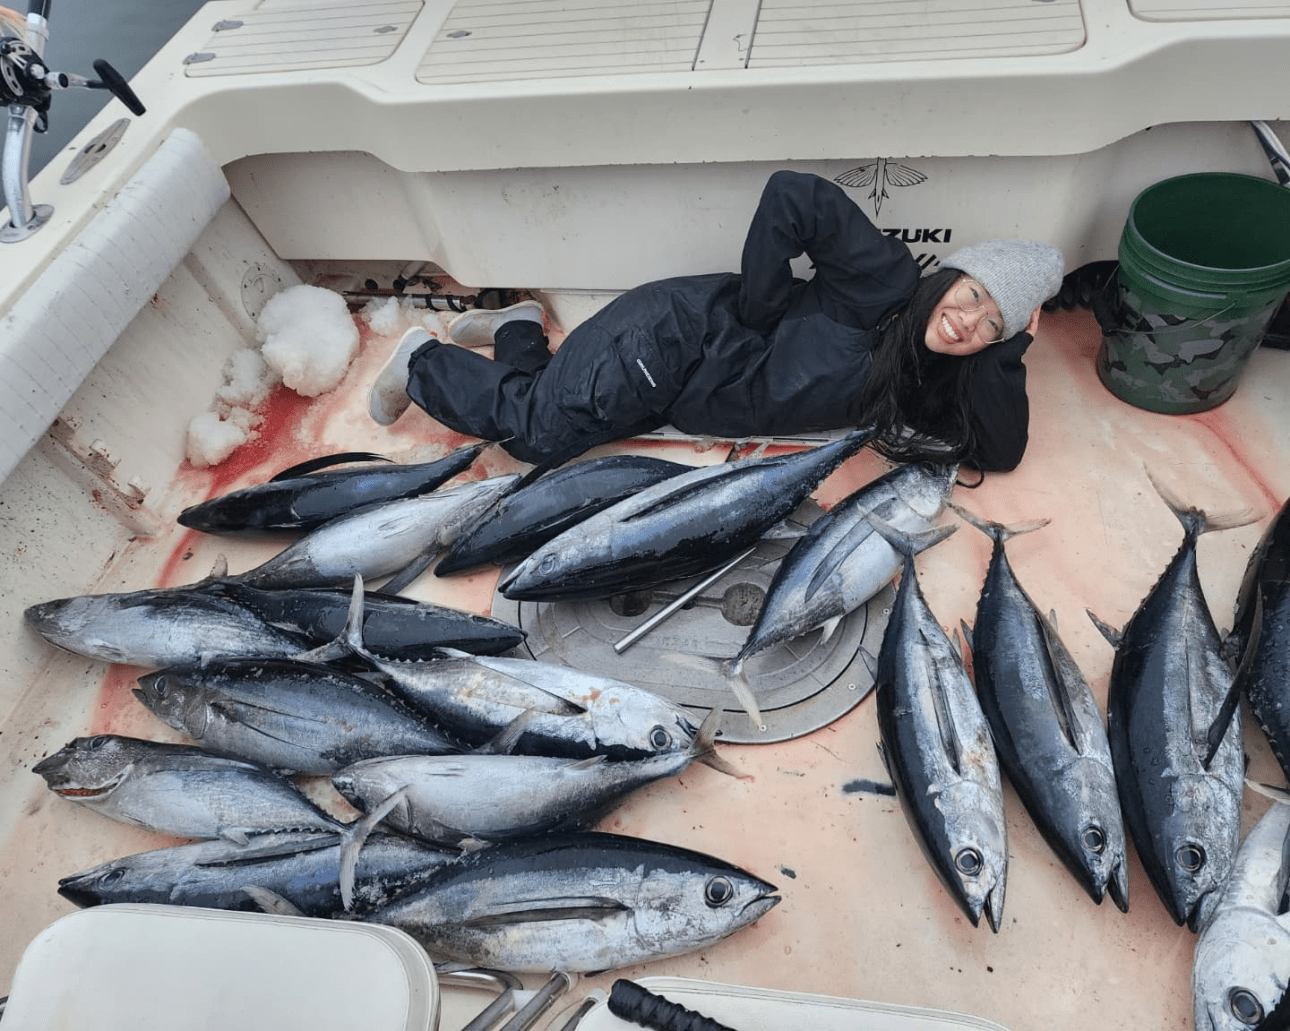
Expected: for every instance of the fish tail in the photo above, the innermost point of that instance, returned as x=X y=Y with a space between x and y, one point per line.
x=355 y=836
x=997 y=531
x=1197 y=521
x=705 y=750
x=910 y=544
x=271 y=902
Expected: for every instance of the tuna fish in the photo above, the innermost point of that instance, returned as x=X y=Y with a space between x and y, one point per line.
x=567 y=713
x=550 y=505
x=1048 y=731
x=577 y=903
x=448 y=799
x=389 y=537
x=303 y=868
x=393 y=626
x=296 y=717
x=178 y=789
x=686 y=525
x=936 y=744
x=160 y=627
x=1241 y=966
x=299 y=499
x=1178 y=756
x=1261 y=636
x=842 y=561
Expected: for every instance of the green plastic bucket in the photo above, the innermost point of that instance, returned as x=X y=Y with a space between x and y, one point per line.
x=1204 y=265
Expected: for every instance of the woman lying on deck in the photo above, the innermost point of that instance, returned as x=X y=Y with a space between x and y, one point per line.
x=866 y=340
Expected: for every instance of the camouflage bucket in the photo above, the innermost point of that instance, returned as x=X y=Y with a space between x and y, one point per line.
x=1204 y=265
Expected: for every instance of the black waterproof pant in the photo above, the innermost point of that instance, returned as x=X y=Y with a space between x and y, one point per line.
x=539 y=406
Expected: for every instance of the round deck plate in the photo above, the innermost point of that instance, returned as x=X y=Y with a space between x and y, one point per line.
x=801 y=685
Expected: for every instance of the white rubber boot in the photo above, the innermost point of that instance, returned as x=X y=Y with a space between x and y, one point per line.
x=475 y=328
x=389 y=397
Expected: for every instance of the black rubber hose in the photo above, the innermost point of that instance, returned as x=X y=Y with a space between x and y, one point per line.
x=629 y=1001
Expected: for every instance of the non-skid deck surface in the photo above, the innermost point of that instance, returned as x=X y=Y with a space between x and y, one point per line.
x=863 y=914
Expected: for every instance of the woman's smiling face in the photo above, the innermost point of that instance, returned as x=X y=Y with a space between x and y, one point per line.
x=957 y=329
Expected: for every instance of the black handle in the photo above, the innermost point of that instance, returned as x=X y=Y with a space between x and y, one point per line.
x=629 y=1001
x=112 y=80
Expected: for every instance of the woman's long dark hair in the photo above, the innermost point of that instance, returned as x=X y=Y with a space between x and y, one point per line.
x=919 y=399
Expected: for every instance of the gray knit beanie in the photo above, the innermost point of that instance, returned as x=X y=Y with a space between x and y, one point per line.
x=1019 y=274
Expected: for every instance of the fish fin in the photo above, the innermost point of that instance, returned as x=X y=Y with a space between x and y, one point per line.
x=785 y=530
x=326 y=462
x=1063 y=705
x=473 y=844
x=271 y=902
x=1113 y=636
x=829 y=628
x=355 y=836
x=1195 y=520
x=237 y=837
x=870 y=661
x=1052 y=618
x=705 y=750
x=950 y=743
x=401 y=580
x=860 y=532
x=1272 y=791
x=588 y=763
x=910 y=544
x=732 y=670
x=254 y=853
x=882 y=754
x=998 y=531
x=1218 y=729
x=967 y=635
x=589 y=907
x=505 y=740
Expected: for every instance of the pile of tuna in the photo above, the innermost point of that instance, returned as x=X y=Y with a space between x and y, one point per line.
x=477 y=773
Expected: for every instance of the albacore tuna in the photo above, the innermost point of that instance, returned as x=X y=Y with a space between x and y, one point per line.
x=1047 y=728
x=305 y=496
x=298 y=717
x=937 y=746
x=1176 y=745
x=686 y=525
x=577 y=903
x=1241 y=967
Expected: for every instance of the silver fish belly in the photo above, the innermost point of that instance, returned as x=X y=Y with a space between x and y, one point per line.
x=379 y=539
x=1241 y=967
x=579 y=903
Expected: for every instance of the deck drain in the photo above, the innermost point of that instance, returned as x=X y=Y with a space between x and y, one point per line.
x=801 y=686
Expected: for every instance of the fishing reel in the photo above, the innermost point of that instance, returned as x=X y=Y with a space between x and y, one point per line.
x=25 y=81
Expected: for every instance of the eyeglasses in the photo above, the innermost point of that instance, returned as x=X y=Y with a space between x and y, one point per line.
x=970 y=296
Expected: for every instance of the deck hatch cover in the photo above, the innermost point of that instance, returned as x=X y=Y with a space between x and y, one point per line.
x=500 y=40
x=800 y=686
x=794 y=33
x=281 y=36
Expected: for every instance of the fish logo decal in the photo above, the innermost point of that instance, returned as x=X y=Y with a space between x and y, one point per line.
x=880 y=174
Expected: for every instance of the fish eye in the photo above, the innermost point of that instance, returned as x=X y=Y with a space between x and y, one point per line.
x=159 y=685
x=1245 y=1006
x=718 y=891
x=1190 y=857
x=111 y=877
x=98 y=741
x=547 y=564
x=659 y=739
x=968 y=861
x=1093 y=839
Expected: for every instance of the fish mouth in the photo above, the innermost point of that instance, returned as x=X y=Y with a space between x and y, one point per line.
x=1117 y=886
x=756 y=908
x=1202 y=911
x=992 y=907
x=80 y=792
x=71 y=890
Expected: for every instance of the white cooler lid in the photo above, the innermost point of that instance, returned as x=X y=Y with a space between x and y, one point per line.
x=175 y=968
